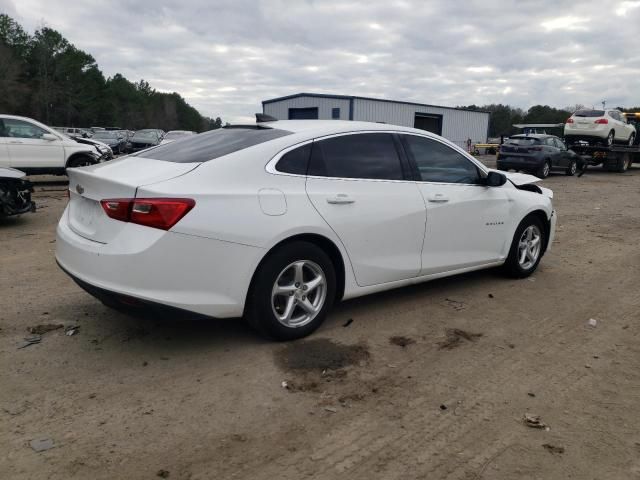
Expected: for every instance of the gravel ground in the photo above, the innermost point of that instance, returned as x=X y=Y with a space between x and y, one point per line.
x=431 y=381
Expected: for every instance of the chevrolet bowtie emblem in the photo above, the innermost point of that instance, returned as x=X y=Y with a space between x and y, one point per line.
x=79 y=189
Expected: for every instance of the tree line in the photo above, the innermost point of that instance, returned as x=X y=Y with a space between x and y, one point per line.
x=503 y=117
x=44 y=76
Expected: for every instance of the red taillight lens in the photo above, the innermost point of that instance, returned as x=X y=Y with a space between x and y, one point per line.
x=569 y=120
x=117 y=208
x=161 y=213
x=602 y=121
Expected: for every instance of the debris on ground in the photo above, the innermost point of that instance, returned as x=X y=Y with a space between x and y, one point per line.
x=443 y=407
x=163 y=473
x=455 y=337
x=44 y=328
x=455 y=304
x=531 y=394
x=592 y=322
x=284 y=384
x=534 y=421
x=348 y=322
x=71 y=330
x=490 y=295
x=30 y=340
x=42 y=444
x=351 y=397
x=553 y=448
x=320 y=354
x=401 y=341
x=331 y=409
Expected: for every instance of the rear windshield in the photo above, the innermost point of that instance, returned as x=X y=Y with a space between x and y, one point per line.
x=523 y=141
x=589 y=113
x=213 y=144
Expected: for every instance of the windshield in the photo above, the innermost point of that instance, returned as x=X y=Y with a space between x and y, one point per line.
x=522 y=141
x=105 y=135
x=145 y=135
x=213 y=144
x=589 y=113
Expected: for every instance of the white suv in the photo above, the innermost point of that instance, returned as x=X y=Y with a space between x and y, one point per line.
x=34 y=148
x=603 y=126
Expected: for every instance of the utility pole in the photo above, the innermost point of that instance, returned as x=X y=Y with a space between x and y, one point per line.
x=603 y=103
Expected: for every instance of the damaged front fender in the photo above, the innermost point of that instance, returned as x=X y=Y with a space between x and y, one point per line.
x=15 y=193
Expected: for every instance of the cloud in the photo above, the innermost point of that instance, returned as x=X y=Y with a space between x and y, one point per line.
x=226 y=57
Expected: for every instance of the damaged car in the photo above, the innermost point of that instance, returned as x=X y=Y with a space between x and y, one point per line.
x=15 y=193
x=275 y=222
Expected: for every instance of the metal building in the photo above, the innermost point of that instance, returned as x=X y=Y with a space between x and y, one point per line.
x=455 y=124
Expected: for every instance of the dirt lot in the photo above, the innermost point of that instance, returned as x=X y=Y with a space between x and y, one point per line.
x=388 y=388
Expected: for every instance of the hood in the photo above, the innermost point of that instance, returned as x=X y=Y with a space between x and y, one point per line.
x=521 y=178
x=6 y=172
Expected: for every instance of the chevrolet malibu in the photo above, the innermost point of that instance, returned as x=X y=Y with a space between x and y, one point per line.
x=279 y=220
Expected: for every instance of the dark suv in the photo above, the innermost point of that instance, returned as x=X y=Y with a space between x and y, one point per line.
x=537 y=154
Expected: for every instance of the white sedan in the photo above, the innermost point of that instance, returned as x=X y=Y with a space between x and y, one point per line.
x=277 y=221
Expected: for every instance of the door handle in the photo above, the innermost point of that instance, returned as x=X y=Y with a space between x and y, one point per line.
x=438 y=198
x=340 y=199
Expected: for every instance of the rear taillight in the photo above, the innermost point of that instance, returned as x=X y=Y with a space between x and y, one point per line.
x=161 y=213
x=569 y=120
x=601 y=121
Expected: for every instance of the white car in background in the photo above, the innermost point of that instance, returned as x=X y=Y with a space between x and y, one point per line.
x=603 y=126
x=173 y=135
x=277 y=221
x=34 y=148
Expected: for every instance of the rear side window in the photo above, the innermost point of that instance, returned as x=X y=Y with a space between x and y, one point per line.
x=589 y=113
x=437 y=162
x=365 y=155
x=213 y=144
x=295 y=161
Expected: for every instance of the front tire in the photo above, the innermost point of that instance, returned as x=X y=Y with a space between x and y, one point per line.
x=292 y=291
x=526 y=248
x=80 y=161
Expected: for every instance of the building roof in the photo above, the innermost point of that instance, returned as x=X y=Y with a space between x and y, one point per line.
x=353 y=97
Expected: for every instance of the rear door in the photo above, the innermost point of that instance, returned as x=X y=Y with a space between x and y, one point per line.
x=5 y=161
x=467 y=222
x=552 y=150
x=359 y=185
x=27 y=148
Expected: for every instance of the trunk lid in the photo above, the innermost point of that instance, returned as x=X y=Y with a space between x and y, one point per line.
x=115 y=179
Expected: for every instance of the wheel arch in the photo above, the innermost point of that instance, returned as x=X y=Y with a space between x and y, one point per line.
x=546 y=224
x=326 y=244
x=75 y=155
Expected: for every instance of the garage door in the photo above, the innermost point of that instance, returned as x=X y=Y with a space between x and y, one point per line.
x=303 y=113
x=428 y=122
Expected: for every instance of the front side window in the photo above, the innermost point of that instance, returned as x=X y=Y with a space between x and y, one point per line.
x=437 y=162
x=365 y=156
x=551 y=142
x=10 y=127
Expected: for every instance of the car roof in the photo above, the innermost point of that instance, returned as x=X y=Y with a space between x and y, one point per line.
x=532 y=135
x=316 y=128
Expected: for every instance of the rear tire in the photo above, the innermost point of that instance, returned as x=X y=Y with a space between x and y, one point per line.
x=292 y=291
x=632 y=139
x=611 y=138
x=544 y=170
x=525 y=254
x=573 y=168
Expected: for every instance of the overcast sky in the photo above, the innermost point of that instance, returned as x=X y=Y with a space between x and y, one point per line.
x=226 y=56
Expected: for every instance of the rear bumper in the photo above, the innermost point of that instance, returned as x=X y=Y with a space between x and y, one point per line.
x=185 y=272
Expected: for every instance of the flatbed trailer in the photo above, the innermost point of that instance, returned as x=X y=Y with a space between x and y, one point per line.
x=614 y=158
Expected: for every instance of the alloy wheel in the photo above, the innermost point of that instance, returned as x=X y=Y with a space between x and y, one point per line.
x=529 y=247
x=545 y=169
x=299 y=293
x=574 y=168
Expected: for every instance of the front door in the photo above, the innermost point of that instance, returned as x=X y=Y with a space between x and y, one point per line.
x=466 y=221
x=359 y=186
x=27 y=148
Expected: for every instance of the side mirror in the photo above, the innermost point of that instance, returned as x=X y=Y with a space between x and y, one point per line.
x=495 y=179
x=49 y=136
